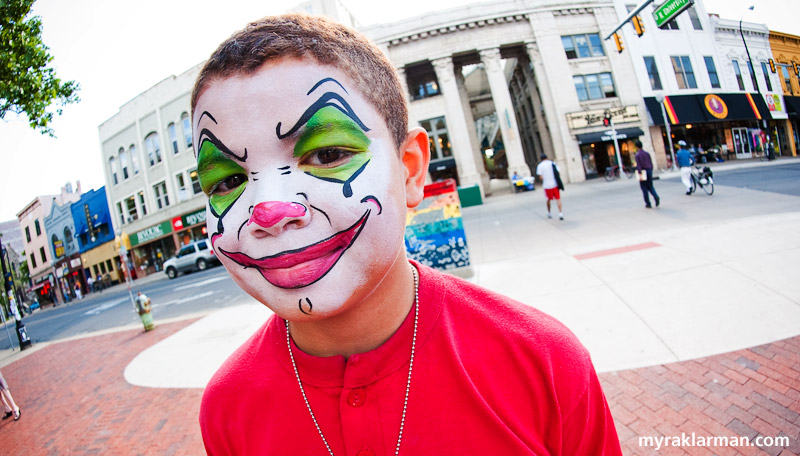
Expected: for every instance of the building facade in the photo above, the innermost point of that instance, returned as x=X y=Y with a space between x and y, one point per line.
x=64 y=254
x=95 y=235
x=152 y=185
x=786 y=55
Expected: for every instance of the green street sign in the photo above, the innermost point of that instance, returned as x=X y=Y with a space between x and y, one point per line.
x=669 y=10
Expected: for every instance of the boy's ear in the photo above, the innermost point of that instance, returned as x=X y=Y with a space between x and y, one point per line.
x=416 y=155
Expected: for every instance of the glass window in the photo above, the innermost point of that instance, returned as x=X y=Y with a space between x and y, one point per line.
x=134 y=159
x=671 y=25
x=712 y=72
x=173 y=137
x=67 y=235
x=28 y=233
x=594 y=86
x=38 y=227
x=738 y=74
x=96 y=271
x=187 y=129
x=752 y=75
x=569 y=47
x=141 y=203
x=130 y=207
x=766 y=76
x=102 y=268
x=162 y=199
x=123 y=163
x=438 y=139
x=696 y=24
x=42 y=254
x=683 y=72
x=33 y=261
x=180 y=183
x=652 y=71
x=580 y=87
x=787 y=79
x=422 y=81
x=596 y=44
x=153 y=149
x=112 y=168
x=120 y=213
x=607 y=85
x=202 y=246
x=108 y=266
x=195 y=181
x=581 y=46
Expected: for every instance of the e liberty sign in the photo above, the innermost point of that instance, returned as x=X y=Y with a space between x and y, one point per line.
x=669 y=10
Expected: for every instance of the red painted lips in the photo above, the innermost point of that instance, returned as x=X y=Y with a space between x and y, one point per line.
x=301 y=267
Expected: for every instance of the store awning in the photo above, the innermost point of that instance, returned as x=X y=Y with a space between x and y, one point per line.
x=792 y=105
x=713 y=107
x=600 y=136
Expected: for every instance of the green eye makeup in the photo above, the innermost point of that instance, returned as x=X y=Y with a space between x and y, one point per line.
x=216 y=171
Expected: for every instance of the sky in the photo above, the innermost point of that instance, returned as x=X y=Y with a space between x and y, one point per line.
x=118 y=49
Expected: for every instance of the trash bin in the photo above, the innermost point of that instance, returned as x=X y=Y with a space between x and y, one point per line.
x=22 y=335
x=143 y=309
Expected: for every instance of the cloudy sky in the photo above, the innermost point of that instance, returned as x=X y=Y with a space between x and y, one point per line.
x=118 y=49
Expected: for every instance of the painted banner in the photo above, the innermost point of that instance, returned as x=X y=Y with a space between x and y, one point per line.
x=434 y=230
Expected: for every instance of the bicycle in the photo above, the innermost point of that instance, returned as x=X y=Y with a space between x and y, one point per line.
x=612 y=172
x=703 y=178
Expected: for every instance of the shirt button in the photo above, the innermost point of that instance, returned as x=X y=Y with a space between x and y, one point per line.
x=365 y=453
x=356 y=398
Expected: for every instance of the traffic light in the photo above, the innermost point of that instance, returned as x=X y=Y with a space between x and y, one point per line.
x=772 y=66
x=638 y=25
x=796 y=69
x=607 y=121
x=618 y=42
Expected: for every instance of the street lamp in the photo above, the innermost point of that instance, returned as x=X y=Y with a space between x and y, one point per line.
x=752 y=68
x=660 y=98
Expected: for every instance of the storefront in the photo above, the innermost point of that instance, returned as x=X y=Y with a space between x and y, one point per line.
x=102 y=264
x=715 y=126
x=596 y=141
x=790 y=133
x=150 y=247
x=69 y=273
x=190 y=227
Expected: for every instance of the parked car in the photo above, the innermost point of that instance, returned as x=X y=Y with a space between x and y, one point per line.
x=196 y=255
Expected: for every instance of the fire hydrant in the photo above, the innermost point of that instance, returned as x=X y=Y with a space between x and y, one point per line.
x=143 y=308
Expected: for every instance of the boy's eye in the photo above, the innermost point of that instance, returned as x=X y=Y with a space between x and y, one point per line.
x=228 y=184
x=327 y=158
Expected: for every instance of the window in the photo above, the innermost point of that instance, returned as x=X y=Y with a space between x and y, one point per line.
x=162 y=199
x=752 y=75
x=180 y=183
x=787 y=78
x=422 y=82
x=153 y=149
x=712 y=72
x=683 y=72
x=108 y=266
x=134 y=160
x=33 y=261
x=141 y=203
x=173 y=138
x=123 y=163
x=438 y=139
x=594 y=86
x=695 y=19
x=202 y=246
x=112 y=168
x=766 y=76
x=121 y=214
x=581 y=46
x=28 y=233
x=187 y=129
x=130 y=208
x=67 y=235
x=38 y=227
x=738 y=74
x=102 y=268
x=42 y=254
x=652 y=71
x=195 y=178
x=671 y=25
x=96 y=271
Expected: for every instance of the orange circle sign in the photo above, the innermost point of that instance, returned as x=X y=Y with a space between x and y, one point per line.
x=716 y=106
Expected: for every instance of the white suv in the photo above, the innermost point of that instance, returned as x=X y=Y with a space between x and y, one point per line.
x=195 y=255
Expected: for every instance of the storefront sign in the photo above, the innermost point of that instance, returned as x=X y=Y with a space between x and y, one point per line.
x=669 y=10
x=715 y=106
x=194 y=218
x=585 y=119
x=58 y=246
x=151 y=233
x=75 y=263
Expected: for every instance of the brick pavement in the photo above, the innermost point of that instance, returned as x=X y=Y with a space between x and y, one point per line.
x=75 y=400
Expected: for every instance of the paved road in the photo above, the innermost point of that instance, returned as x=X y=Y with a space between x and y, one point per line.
x=784 y=179
x=198 y=292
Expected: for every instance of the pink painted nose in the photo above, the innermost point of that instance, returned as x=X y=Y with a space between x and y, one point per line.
x=271 y=213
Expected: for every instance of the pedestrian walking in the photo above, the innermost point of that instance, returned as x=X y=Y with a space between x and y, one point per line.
x=644 y=165
x=9 y=406
x=550 y=176
x=685 y=162
x=90 y=284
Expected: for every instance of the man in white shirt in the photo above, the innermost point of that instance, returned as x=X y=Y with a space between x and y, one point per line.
x=545 y=172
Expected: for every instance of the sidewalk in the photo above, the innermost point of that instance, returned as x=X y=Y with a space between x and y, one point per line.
x=690 y=311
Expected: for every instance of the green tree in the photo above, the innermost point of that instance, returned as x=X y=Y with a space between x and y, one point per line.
x=27 y=85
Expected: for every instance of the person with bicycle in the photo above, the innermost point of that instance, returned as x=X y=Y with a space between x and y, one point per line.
x=685 y=162
x=644 y=165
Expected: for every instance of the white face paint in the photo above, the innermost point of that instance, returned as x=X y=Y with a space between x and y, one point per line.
x=306 y=189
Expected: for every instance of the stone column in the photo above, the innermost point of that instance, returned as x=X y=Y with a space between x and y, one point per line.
x=457 y=126
x=548 y=101
x=477 y=153
x=505 y=112
x=541 y=126
x=401 y=73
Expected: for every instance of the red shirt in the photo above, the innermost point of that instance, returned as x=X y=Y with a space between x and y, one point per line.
x=491 y=376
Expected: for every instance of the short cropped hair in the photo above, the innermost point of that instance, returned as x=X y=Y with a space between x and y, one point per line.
x=638 y=144
x=327 y=42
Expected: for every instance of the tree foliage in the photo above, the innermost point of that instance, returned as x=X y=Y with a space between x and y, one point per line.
x=27 y=85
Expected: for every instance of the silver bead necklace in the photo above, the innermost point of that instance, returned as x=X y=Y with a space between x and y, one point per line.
x=408 y=383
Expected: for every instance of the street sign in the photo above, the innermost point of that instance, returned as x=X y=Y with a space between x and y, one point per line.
x=610 y=132
x=669 y=10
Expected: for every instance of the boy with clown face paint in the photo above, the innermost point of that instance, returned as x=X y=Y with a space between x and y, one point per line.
x=303 y=149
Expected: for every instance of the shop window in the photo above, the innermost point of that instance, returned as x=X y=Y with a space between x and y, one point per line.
x=28 y=233
x=738 y=73
x=142 y=205
x=787 y=79
x=187 y=129
x=195 y=181
x=582 y=46
x=683 y=72
x=134 y=159
x=696 y=24
x=153 y=149
x=112 y=168
x=123 y=163
x=162 y=199
x=752 y=75
x=652 y=72
x=712 y=72
x=173 y=138
x=38 y=227
x=438 y=139
x=130 y=208
x=422 y=82
x=766 y=76
x=120 y=213
x=42 y=254
x=594 y=86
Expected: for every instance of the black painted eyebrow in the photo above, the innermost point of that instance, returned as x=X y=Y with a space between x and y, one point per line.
x=322 y=102
x=323 y=81
x=206 y=113
x=206 y=135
